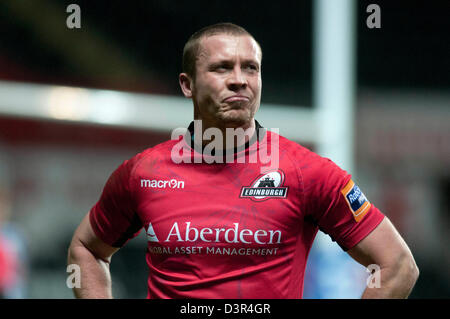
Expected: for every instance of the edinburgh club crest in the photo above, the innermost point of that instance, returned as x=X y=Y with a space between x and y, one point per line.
x=269 y=185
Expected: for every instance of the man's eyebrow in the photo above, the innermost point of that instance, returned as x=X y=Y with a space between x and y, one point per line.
x=250 y=61
x=218 y=61
x=232 y=61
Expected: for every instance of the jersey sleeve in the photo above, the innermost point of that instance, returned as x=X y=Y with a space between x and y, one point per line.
x=114 y=218
x=337 y=205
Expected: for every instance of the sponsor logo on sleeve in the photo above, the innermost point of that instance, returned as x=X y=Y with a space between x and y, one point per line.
x=356 y=200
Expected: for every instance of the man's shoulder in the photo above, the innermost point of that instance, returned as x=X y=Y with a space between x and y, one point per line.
x=290 y=146
x=157 y=151
x=305 y=159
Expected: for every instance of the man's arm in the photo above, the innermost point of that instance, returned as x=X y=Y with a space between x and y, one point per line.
x=386 y=248
x=93 y=256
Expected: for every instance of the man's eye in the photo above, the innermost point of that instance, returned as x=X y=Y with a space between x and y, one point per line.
x=220 y=68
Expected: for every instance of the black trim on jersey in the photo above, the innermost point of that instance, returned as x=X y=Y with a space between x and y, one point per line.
x=310 y=219
x=259 y=134
x=135 y=225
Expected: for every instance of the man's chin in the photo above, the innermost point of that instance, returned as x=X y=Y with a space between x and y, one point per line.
x=236 y=118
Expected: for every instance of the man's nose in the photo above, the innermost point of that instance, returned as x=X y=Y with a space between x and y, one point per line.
x=237 y=80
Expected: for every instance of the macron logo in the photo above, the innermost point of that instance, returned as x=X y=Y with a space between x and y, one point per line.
x=153 y=183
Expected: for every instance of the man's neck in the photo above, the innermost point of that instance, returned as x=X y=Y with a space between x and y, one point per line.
x=232 y=136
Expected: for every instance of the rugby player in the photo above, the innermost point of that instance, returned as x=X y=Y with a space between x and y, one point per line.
x=236 y=227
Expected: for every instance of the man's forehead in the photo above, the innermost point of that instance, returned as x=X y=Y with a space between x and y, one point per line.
x=228 y=46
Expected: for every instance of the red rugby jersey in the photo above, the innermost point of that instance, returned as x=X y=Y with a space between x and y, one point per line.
x=231 y=228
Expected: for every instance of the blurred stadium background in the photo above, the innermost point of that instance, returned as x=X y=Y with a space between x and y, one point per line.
x=75 y=103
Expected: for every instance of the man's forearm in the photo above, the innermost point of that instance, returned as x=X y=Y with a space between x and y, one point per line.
x=95 y=275
x=395 y=282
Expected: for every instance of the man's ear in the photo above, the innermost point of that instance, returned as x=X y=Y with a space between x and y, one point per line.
x=186 y=84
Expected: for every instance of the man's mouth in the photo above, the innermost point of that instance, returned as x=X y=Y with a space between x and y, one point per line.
x=236 y=98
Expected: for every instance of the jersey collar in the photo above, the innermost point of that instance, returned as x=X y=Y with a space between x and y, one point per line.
x=260 y=131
